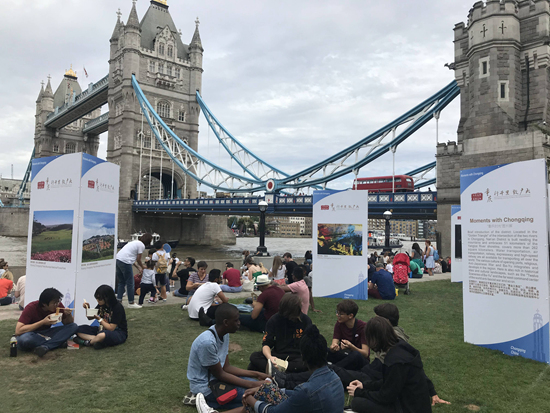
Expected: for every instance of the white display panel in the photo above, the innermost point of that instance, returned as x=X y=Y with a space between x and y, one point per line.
x=69 y=195
x=340 y=244
x=505 y=258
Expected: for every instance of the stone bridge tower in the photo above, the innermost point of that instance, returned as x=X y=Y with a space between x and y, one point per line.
x=69 y=139
x=169 y=72
x=502 y=59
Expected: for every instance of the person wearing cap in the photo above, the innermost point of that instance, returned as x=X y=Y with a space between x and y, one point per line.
x=265 y=306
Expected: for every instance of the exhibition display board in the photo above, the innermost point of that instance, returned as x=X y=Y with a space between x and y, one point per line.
x=72 y=228
x=456 y=244
x=340 y=249
x=504 y=211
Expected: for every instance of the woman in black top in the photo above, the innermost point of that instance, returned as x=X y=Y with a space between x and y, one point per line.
x=403 y=387
x=111 y=328
x=283 y=333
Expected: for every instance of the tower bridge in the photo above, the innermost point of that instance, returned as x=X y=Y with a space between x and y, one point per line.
x=153 y=93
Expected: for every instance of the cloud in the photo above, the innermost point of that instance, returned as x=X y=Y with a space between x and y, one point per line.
x=296 y=82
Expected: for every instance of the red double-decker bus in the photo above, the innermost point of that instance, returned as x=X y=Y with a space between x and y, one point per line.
x=403 y=183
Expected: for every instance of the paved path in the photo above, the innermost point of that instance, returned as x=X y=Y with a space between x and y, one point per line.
x=11 y=312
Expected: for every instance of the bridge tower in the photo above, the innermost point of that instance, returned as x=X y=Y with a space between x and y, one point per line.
x=169 y=72
x=502 y=56
x=68 y=139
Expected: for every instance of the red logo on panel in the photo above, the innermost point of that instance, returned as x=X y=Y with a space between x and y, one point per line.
x=91 y=184
x=324 y=207
x=40 y=185
x=477 y=197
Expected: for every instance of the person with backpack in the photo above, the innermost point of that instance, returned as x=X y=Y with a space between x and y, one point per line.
x=161 y=259
x=430 y=259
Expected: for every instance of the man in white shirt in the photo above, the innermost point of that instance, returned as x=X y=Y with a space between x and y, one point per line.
x=204 y=303
x=125 y=258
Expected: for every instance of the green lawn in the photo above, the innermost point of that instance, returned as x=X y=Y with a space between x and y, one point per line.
x=148 y=373
x=52 y=241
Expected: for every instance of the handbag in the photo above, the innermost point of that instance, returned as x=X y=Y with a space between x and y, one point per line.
x=223 y=392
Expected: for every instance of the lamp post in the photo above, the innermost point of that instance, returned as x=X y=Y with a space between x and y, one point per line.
x=262 y=250
x=387 y=217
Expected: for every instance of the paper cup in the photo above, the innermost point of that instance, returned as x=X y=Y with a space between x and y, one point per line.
x=90 y=312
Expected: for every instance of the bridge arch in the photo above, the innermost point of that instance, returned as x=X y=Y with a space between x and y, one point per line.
x=158 y=183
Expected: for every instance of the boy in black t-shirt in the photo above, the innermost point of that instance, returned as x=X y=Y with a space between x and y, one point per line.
x=111 y=329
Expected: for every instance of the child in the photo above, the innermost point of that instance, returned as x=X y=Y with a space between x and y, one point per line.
x=161 y=259
x=112 y=329
x=148 y=283
x=389 y=265
x=174 y=264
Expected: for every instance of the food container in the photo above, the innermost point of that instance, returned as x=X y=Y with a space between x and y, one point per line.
x=91 y=312
x=56 y=317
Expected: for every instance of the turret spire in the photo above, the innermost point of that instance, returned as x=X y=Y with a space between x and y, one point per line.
x=48 y=91
x=118 y=25
x=133 y=20
x=41 y=92
x=196 y=41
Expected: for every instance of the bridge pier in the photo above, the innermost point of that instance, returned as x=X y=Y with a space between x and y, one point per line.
x=208 y=230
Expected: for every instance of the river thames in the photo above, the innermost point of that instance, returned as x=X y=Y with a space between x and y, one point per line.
x=14 y=250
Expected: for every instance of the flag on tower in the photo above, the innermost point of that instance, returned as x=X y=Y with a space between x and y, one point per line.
x=86 y=73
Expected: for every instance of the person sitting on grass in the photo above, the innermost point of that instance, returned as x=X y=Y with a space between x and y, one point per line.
x=6 y=285
x=183 y=275
x=231 y=279
x=322 y=393
x=348 y=351
x=264 y=307
x=20 y=291
x=403 y=387
x=208 y=360
x=204 y=303
x=196 y=280
x=374 y=370
x=381 y=284
x=306 y=270
x=34 y=328
x=252 y=270
x=299 y=287
x=281 y=342
x=112 y=329
x=148 y=283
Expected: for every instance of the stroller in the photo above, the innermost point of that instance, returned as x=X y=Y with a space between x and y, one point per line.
x=401 y=271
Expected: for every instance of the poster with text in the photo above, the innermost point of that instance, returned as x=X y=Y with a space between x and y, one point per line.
x=97 y=235
x=456 y=244
x=504 y=210
x=52 y=248
x=340 y=244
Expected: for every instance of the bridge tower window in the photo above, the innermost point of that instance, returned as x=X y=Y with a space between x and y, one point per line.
x=163 y=109
x=161 y=49
x=177 y=73
x=169 y=70
x=151 y=66
x=181 y=116
x=147 y=142
x=170 y=51
x=161 y=67
x=70 y=147
x=56 y=148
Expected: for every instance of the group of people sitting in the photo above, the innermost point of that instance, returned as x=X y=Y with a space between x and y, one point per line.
x=298 y=371
x=46 y=324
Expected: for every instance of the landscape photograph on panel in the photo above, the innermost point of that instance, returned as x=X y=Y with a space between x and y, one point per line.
x=340 y=239
x=99 y=236
x=52 y=236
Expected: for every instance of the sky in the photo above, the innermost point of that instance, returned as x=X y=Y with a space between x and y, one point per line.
x=98 y=223
x=295 y=81
x=54 y=217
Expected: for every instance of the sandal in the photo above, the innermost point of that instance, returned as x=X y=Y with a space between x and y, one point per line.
x=190 y=399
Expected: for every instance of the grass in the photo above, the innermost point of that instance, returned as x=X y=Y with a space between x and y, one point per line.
x=52 y=241
x=148 y=372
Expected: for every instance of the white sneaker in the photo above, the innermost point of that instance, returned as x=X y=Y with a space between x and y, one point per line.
x=202 y=406
x=134 y=305
x=184 y=307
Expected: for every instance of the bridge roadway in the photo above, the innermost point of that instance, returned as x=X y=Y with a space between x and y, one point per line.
x=413 y=205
